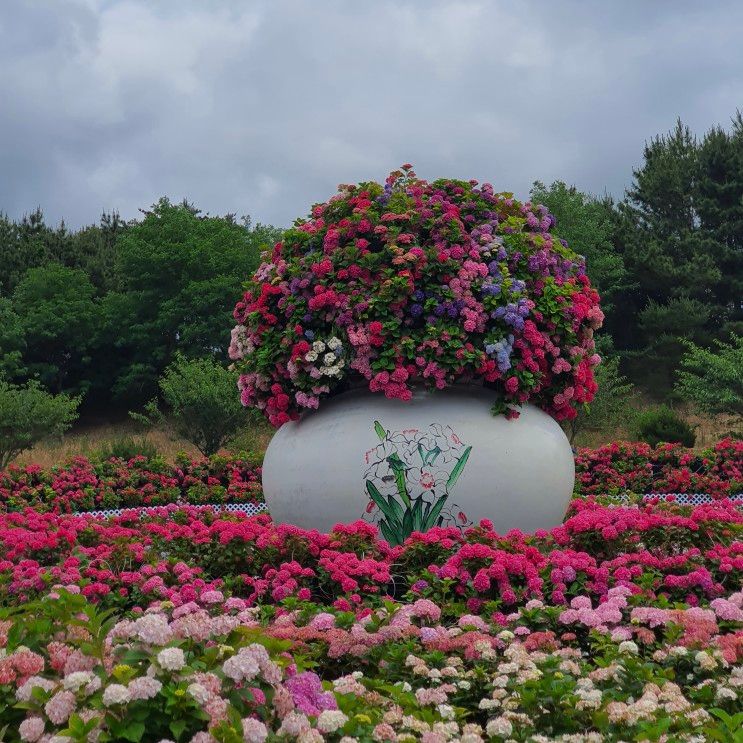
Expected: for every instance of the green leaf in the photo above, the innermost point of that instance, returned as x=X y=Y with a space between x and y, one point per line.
x=396 y=508
x=458 y=467
x=398 y=467
x=418 y=515
x=389 y=534
x=383 y=505
x=432 y=455
x=434 y=513
x=407 y=523
x=380 y=430
x=134 y=731
x=177 y=727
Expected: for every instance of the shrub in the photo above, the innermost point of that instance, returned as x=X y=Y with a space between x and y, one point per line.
x=29 y=414
x=664 y=425
x=126 y=448
x=713 y=379
x=417 y=283
x=203 y=406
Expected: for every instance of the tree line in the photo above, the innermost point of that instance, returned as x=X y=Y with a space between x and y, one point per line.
x=103 y=311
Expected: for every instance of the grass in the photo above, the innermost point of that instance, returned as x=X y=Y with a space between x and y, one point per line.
x=87 y=438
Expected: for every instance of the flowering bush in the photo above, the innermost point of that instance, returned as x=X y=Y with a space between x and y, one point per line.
x=417 y=283
x=84 y=485
x=622 y=467
x=622 y=624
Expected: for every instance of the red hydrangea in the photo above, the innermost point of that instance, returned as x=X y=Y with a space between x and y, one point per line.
x=418 y=284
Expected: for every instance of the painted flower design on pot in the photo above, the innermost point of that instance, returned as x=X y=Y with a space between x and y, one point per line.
x=409 y=477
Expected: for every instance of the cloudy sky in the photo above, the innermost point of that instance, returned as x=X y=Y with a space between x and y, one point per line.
x=262 y=108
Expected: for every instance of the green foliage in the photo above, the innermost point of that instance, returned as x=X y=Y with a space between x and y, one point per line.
x=180 y=275
x=587 y=223
x=664 y=328
x=713 y=379
x=103 y=310
x=719 y=204
x=127 y=447
x=28 y=414
x=12 y=342
x=681 y=235
x=31 y=243
x=664 y=425
x=611 y=408
x=59 y=317
x=203 y=401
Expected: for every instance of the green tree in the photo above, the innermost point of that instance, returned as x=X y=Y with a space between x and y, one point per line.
x=59 y=317
x=203 y=403
x=28 y=414
x=664 y=329
x=587 y=224
x=12 y=342
x=719 y=203
x=180 y=274
x=672 y=257
x=93 y=249
x=28 y=244
x=712 y=379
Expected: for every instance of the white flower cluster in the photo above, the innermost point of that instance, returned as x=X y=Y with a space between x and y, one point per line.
x=330 y=356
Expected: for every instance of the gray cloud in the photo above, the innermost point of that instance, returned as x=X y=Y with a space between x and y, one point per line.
x=264 y=107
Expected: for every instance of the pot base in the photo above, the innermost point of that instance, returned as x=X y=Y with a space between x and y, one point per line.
x=440 y=459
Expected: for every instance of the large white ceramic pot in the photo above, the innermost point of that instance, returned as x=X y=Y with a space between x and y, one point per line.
x=440 y=459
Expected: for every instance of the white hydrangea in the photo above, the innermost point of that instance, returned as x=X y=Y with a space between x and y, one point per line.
x=318 y=346
x=116 y=694
x=310 y=356
x=331 y=720
x=23 y=693
x=328 y=359
x=499 y=726
x=76 y=680
x=446 y=711
x=705 y=660
x=724 y=693
x=171 y=659
x=627 y=646
x=334 y=343
x=199 y=692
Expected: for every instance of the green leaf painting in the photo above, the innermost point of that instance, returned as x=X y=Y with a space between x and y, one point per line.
x=410 y=477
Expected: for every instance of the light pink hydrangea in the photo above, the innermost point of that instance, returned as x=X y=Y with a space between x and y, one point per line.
x=144 y=687
x=31 y=729
x=59 y=708
x=254 y=731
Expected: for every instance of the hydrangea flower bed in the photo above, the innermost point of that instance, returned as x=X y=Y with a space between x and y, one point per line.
x=418 y=284
x=85 y=485
x=639 y=468
x=186 y=624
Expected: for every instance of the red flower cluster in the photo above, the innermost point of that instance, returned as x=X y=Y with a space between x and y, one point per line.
x=622 y=467
x=85 y=485
x=181 y=553
x=418 y=284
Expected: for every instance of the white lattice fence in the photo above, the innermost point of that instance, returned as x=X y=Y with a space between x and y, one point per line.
x=252 y=509
x=684 y=499
x=249 y=509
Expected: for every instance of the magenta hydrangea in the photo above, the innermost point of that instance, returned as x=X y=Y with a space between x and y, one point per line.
x=418 y=284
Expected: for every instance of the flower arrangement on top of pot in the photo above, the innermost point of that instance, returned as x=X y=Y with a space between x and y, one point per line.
x=418 y=284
